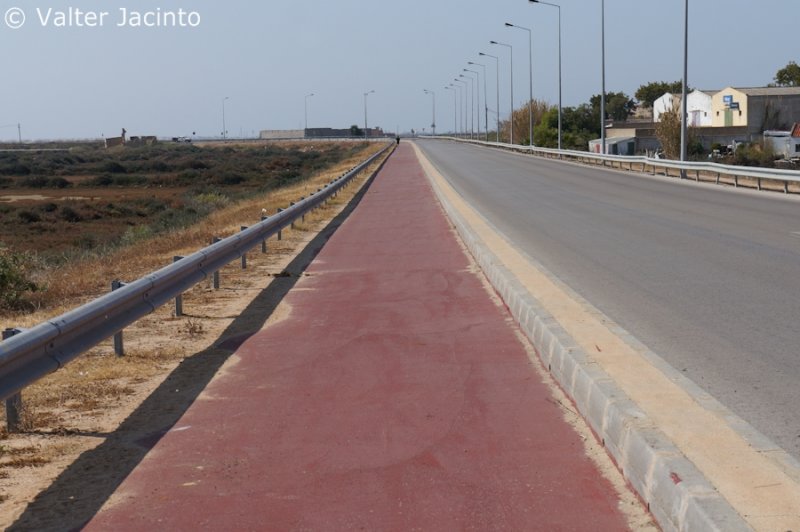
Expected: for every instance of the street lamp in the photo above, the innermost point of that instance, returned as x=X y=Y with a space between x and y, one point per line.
x=511 y=49
x=478 y=103
x=472 y=107
x=224 y=131
x=433 y=124
x=306 y=107
x=559 y=63
x=497 y=77
x=685 y=89
x=603 y=93
x=471 y=95
x=366 y=129
x=530 y=73
x=455 y=107
x=485 y=100
x=19 y=130
x=464 y=106
x=457 y=92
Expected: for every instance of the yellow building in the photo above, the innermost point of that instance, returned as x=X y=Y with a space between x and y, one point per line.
x=756 y=109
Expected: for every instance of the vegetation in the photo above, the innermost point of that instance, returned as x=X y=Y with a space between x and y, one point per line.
x=58 y=209
x=15 y=281
x=87 y=198
x=648 y=93
x=758 y=154
x=668 y=131
x=619 y=106
x=788 y=76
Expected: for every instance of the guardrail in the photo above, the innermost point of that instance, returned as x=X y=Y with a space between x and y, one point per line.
x=712 y=170
x=28 y=355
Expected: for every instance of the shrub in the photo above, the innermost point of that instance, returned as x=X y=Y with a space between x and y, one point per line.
x=68 y=214
x=58 y=182
x=114 y=167
x=15 y=281
x=104 y=180
x=16 y=169
x=135 y=234
x=29 y=217
x=33 y=182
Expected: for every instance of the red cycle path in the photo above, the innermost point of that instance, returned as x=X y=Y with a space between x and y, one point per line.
x=396 y=396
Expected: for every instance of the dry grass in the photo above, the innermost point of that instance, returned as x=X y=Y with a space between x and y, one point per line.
x=85 y=280
x=65 y=413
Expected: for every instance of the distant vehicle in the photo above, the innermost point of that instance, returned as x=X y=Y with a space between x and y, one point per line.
x=181 y=139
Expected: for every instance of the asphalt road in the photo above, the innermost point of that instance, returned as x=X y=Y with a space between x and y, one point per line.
x=707 y=277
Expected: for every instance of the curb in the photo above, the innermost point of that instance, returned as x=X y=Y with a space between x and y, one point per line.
x=675 y=491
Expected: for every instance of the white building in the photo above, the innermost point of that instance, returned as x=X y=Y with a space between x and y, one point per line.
x=666 y=103
x=699 y=106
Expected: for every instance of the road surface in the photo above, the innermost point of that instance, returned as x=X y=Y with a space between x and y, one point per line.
x=707 y=277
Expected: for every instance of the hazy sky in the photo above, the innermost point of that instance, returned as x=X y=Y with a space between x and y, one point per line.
x=84 y=82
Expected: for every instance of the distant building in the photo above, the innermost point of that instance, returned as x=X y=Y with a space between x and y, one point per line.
x=699 y=107
x=785 y=143
x=317 y=133
x=756 y=109
x=665 y=104
x=614 y=145
x=282 y=134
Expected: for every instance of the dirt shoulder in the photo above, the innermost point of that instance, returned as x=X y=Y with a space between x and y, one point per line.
x=91 y=423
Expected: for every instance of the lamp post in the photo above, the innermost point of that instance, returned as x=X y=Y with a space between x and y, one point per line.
x=530 y=73
x=471 y=113
x=455 y=107
x=464 y=106
x=603 y=93
x=459 y=113
x=497 y=77
x=485 y=100
x=19 y=130
x=475 y=102
x=366 y=129
x=685 y=89
x=224 y=131
x=559 y=64
x=478 y=103
x=433 y=124
x=511 y=122
x=306 y=107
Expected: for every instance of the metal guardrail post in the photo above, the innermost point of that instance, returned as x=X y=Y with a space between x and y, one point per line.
x=244 y=255
x=179 y=297
x=264 y=242
x=119 y=345
x=303 y=216
x=215 y=276
x=290 y=206
x=280 y=233
x=13 y=403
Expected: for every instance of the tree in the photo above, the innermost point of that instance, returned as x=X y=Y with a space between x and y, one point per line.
x=356 y=131
x=521 y=121
x=619 y=105
x=650 y=92
x=788 y=76
x=668 y=131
